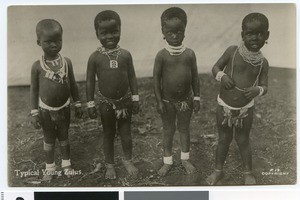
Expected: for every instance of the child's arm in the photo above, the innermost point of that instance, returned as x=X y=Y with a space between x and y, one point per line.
x=74 y=90
x=157 y=76
x=195 y=83
x=133 y=85
x=217 y=70
x=90 y=87
x=34 y=96
x=262 y=87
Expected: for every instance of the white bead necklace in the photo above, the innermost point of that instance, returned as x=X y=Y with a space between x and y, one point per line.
x=175 y=51
x=254 y=58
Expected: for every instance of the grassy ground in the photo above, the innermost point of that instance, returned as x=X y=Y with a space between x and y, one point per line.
x=273 y=141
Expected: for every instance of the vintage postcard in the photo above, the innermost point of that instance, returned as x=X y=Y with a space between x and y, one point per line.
x=151 y=95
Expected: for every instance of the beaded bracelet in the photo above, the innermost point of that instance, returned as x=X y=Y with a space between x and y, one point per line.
x=261 y=90
x=77 y=104
x=196 y=98
x=219 y=75
x=34 y=112
x=90 y=104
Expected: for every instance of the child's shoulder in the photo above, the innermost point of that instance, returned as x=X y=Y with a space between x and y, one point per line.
x=229 y=52
x=265 y=63
x=125 y=51
x=36 y=64
x=190 y=51
x=231 y=49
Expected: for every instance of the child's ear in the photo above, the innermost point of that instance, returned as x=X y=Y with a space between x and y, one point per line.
x=242 y=35
x=268 y=34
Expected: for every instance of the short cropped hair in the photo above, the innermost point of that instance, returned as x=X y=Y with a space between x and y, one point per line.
x=172 y=13
x=106 y=15
x=47 y=24
x=256 y=17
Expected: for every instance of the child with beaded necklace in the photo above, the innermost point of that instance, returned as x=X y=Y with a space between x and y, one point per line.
x=175 y=83
x=52 y=84
x=118 y=91
x=243 y=73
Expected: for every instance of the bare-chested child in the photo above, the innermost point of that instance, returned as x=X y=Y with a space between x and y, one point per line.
x=118 y=90
x=175 y=83
x=243 y=73
x=52 y=85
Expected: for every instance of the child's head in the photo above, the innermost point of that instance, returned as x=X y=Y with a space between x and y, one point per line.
x=49 y=36
x=255 y=31
x=108 y=28
x=173 y=23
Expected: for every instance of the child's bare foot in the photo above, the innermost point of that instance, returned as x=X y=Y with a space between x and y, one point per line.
x=189 y=167
x=48 y=174
x=249 y=178
x=47 y=177
x=110 y=172
x=68 y=171
x=131 y=169
x=164 y=169
x=215 y=177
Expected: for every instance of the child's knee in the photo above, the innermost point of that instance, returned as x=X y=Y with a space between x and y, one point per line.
x=242 y=139
x=169 y=130
x=226 y=139
x=184 y=129
x=49 y=146
x=64 y=143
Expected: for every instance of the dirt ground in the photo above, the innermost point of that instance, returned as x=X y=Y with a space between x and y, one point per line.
x=273 y=140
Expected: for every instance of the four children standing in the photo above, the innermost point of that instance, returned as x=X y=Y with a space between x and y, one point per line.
x=242 y=71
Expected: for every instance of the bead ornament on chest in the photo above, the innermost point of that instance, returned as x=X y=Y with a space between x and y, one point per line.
x=112 y=55
x=56 y=70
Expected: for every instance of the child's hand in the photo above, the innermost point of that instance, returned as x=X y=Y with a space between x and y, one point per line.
x=227 y=82
x=251 y=92
x=78 y=112
x=135 y=107
x=35 y=121
x=161 y=108
x=92 y=112
x=196 y=106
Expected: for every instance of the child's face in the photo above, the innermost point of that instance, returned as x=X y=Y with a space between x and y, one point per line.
x=109 y=33
x=254 y=35
x=173 y=30
x=51 y=41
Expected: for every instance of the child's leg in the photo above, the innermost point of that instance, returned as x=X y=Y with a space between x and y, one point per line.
x=49 y=131
x=225 y=134
x=108 y=120
x=183 y=124
x=63 y=129
x=168 y=119
x=242 y=139
x=124 y=127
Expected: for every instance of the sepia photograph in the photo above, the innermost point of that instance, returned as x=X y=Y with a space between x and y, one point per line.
x=151 y=95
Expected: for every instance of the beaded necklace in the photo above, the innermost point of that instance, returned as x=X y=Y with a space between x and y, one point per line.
x=253 y=58
x=175 y=51
x=257 y=77
x=58 y=76
x=113 y=63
